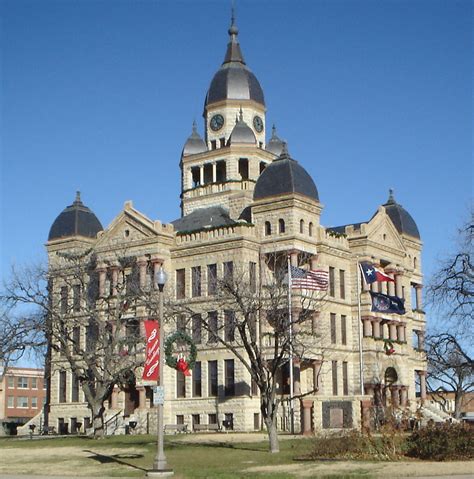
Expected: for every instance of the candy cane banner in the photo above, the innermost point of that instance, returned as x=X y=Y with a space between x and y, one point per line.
x=150 y=371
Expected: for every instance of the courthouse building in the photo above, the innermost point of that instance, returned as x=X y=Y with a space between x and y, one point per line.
x=245 y=199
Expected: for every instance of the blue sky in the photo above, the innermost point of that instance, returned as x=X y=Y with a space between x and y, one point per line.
x=100 y=96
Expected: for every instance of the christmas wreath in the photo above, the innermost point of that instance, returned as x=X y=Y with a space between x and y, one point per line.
x=179 y=362
x=388 y=347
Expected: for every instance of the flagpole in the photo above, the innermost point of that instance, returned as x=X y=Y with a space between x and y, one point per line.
x=290 y=329
x=361 y=359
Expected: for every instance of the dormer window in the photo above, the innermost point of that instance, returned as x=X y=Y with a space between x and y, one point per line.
x=213 y=145
x=196 y=174
x=301 y=226
x=310 y=229
x=268 y=228
x=281 y=225
x=222 y=142
x=263 y=165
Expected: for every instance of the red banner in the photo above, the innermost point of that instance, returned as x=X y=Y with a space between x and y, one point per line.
x=152 y=361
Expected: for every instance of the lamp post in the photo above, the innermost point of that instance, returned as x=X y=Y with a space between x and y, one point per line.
x=160 y=468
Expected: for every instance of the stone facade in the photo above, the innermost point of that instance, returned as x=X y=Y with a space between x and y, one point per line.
x=221 y=173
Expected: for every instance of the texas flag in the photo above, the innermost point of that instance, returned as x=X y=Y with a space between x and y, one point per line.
x=372 y=274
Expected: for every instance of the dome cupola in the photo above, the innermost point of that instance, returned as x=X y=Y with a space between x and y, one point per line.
x=242 y=133
x=194 y=144
x=284 y=176
x=75 y=220
x=274 y=145
x=402 y=220
x=234 y=80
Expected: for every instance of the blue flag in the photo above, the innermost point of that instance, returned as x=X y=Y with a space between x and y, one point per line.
x=383 y=303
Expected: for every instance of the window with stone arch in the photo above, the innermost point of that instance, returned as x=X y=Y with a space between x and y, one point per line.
x=268 y=228
x=310 y=229
x=281 y=225
x=301 y=226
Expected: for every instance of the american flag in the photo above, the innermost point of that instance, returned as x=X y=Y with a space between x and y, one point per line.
x=317 y=279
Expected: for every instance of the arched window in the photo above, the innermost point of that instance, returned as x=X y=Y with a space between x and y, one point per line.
x=414 y=263
x=268 y=228
x=281 y=225
x=301 y=226
x=310 y=229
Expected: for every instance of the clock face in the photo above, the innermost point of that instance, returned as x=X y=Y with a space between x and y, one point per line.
x=217 y=122
x=258 y=124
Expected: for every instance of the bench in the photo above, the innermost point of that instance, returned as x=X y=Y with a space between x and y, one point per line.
x=176 y=428
x=206 y=427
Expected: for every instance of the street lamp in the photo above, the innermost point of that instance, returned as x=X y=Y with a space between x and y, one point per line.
x=160 y=468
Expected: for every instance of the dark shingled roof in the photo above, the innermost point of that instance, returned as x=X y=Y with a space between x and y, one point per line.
x=211 y=217
x=234 y=80
x=402 y=220
x=75 y=220
x=342 y=229
x=285 y=175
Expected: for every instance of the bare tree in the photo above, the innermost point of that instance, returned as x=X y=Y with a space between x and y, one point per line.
x=257 y=329
x=450 y=368
x=94 y=334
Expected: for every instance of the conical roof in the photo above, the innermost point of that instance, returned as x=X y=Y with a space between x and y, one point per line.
x=194 y=144
x=75 y=220
x=402 y=220
x=242 y=133
x=274 y=145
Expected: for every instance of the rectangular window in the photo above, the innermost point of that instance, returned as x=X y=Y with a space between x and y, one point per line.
x=253 y=276
x=197 y=328
x=62 y=386
x=22 y=383
x=229 y=377
x=244 y=168
x=212 y=418
x=180 y=384
x=181 y=323
x=34 y=383
x=63 y=300
x=196 y=281
x=74 y=388
x=229 y=421
x=333 y=329
x=92 y=334
x=212 y=378
x=197 y=380
x=256 y=421
x=213 y=144
x=212 y=324
x=222 y=142
x=228 y=271
x=196 y=176
x=22 y=401
x=11 y=382
x=76 y=339
x=221 y=173
x=229 y=325
x=342 y=283
x=331 y=282
x=76 y=298
x=334 y=378
x=343 y=329
x=11 y=402
x=34 y=402
x=180 y=283
x=211 y=279
x=180 y=419
x=196 y=418
x=345 y=379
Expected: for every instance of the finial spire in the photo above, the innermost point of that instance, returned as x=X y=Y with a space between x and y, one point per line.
x=284 y=151
x=274 y=130
x=233 y=30
x=194 y=126
x=391 y=197
x=78 y=198
x=241 y=114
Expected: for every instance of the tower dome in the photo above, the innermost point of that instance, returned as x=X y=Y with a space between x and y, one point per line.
x=242 y=133
x=234 y=80
x=284 y=176
x=402 y=220
x=75 y=220
x=274 y=145
x=194 y=144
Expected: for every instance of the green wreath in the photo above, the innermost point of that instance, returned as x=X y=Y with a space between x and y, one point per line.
x=171 y=360
x=388 y=347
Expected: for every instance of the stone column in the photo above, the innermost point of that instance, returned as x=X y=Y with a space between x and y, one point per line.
x=374 y=287
x=376 y=327
x=392 y=330
x=418 y=289
x=394 y=390
x=114 y=401
x=367 y=327
x=391 y=288
x=214 y=172
x=102 y=271
x=293 y=257
x=404 y=396
x=369 y=389
x=157 y=263
x=142 y=262
x=296 y=377
x=115 y=271
x=421 y=340
x=422 y=375
x=378 y=395
x=307 y=426
x=141 y=397
x=314 y=262
x=317 y=363
x=398 y=285
x=365 y=414
x=401 y=332
x=201 y=175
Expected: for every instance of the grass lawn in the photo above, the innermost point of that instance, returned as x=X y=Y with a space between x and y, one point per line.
x=131 y=456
